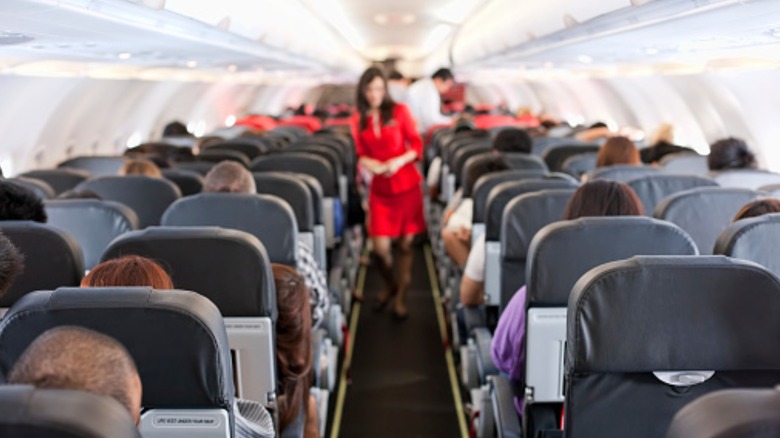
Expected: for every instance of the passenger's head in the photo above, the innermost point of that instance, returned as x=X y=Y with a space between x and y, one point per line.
x=19 y=203
x=513 y=140
x=129 y=270
x=482 y=167
x=618 y=150
x=139 y=166
x=80 y=359
x=78 y=194
x=759 y=207
x=11 y=263
x=372 y=94
x=395 y=75
x=603 y=198
x=444 y=80
x=176 y=129
x=663 y=134
x=293 y=340
x=730 y=153
x=229 y=177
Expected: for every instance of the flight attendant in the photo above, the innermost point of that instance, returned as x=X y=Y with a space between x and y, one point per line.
x=388 y=145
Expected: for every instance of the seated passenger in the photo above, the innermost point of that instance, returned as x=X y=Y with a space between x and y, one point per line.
x=596 y=198
x=252 y=419
x=730 y=153
x=231 y=177
x=618 y=150
x=76 y=358
x=139 y=166
x=456 y=232
x=11 y=264
x=294 y=352
x=18 y=203
x=759 y=207
x=662 y=144
x=512 y=140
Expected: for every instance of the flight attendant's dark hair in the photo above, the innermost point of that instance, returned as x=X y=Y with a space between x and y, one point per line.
x=387 y=105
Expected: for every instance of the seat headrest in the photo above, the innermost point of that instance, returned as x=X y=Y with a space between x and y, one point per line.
x=485 y=184
x=188 y=367
x=62 y=413
x=685 y=162
x=501 y=194
x=580 y=164
x=704 y=212
x=291 y=189
x=40 y=188
x=59 y=179
x=218 y=155
x=555 y=156
x=315 y=189
x=526 y=214
x=750 y=179
x=755 y=239
x=52 y=258
x=730 y=413
x=147 y=196
x=562 y=252
x=266 y=217
x=300 y=162
x=189 y=182
x=652 y=188
x=240 y=284
x=679 y=313
x=621 y=172
x=96 y=166
x=522 y=161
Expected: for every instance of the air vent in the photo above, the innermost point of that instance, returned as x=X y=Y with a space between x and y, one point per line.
x=13 y=38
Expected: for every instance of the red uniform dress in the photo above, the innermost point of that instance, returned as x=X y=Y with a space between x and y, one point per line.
x=395 y=204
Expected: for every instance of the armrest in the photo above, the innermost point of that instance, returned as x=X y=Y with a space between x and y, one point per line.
x=483 y=338
x=502 y=398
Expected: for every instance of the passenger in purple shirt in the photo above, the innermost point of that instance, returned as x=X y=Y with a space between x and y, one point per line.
x=595 y=198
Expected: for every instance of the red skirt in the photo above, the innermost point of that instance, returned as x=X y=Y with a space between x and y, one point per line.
x=396 y=215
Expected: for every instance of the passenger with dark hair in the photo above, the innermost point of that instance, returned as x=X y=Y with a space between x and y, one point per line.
x=80 y=359
x=388 y=145
x=424 y=99
x=232 y=177
x=294 y=352
x=662 y=144
x=456 y=232
x=759 y=207
x=510 y=140
x=618 y=150
x=596 y=198
x=11 y=264
x=140 y=166
x=18 y=203
x=177 y=134
x=731 y=153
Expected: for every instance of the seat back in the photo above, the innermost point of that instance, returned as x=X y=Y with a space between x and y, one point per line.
x=755 y=239
x=523 y=217
x=201 y=167
x=685 y=163
x=621 y=173
x=52 y=258
x=61 y=413
x=555 y=156
x=189 y=182
x=240 y=285
x=147 y=196
x=218 y=155
x=40 y=188
x=266 y=217
x=521 y=161
x=95 y=165
x=291 y=189
x=335 y=160
x=486 y=183
x=466 y=157
x=654 y=187
x=580 y=164
x=771 y=190
x=746 y=178
x=729 y=413
x=704 y=212
x=92 y=222
x=58 y=179
x=635 y=355
x=188 y=369
x=250 y=148
x=300 y=162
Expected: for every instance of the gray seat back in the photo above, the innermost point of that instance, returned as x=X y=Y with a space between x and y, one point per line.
x=177 y=339
x=521 y=161
x=685 y=163
x=266 y=217
x=60 y=180
x=52 y=258
x=705 y=322
x=523 y=217
x=40 y=188
x=652 y=188
x=464 y=158
x=301 y=162
x=562 y=252
x=729 y=413
x=580 y=164
x=621 y=173
x=746 y=178
x=486 y=183
x=771 y=190
x=189 y=182
x=92 y=222
x=61 y=413
x=250 y=148
x=291 y=189
x=556 y=155
x=218 y=155
x=147 y=196
x=704 y=212
x=201 y=167
x=96 y=165
x=756 y=239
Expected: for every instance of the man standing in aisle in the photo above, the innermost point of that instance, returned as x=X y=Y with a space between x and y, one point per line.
x=424 y=99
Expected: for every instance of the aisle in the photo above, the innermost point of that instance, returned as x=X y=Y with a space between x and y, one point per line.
x=400 y=382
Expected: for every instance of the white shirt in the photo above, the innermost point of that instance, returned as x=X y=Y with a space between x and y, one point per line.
x=475 y=264
x=462 y=216
x=424 y=102
x=397 y=92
